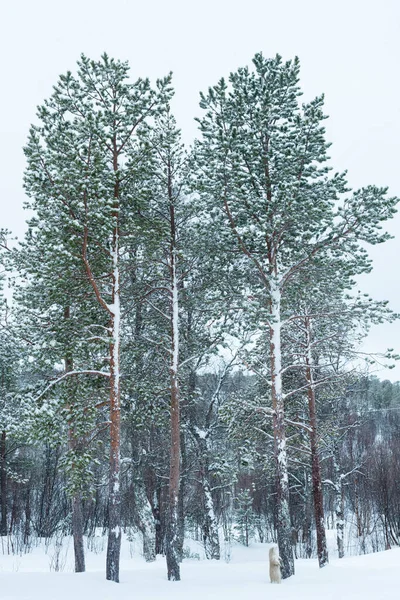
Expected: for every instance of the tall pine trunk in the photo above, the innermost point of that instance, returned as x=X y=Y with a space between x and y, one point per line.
x=282 y=481
x=182 y=487
x=315 y=464
x=172 y=533
x=114 y=499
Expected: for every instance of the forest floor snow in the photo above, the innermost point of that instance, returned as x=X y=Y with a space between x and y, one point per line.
x=31 y=576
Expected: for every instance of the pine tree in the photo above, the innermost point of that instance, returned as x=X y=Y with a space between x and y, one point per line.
x=82 y=162
x=262 y=174
x=245 y=516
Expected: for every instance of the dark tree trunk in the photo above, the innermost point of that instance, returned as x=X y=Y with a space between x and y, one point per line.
x=357 y=508
x=77 y=531
x=27 y=529
x=3 y=485
x=45 y=524
x=171 y=552
x=315 y=464
x=307 y=518
x=77 y=513
x=14 y=509
x=157 y=520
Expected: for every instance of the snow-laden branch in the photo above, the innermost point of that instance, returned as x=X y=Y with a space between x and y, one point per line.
x=307 y=385
x=298 y=424
x=70 y=374
x=163 y=314
x=255 y=371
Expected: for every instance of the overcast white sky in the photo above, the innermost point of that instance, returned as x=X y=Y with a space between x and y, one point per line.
x=349 y=49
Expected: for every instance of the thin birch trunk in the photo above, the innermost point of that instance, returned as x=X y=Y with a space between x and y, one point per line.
x=339 y=504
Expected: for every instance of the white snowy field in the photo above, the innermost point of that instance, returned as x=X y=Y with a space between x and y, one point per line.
x=28 y=577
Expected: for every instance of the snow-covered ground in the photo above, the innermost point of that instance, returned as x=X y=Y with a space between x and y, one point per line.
x=32 y=577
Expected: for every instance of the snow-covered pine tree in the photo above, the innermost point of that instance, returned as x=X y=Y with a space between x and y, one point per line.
x=183 y=300
x=56 y=315
x=321 y=337
x=167 y=214
x=204 y=421
x=244 y=516
x=10 y=360
x=262 y=174
x=82 y=161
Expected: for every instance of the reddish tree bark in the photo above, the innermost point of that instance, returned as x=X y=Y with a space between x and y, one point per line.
x=316 y=467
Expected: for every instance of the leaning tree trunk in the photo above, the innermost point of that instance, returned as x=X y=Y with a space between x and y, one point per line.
x=144 y=521
x=210 y=529
x=316 y=467
x=282 y=522
x=209 y=525
x=3 y=484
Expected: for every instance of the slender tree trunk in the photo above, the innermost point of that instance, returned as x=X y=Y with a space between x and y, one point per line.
x=339 y=504
x=172 y=533
x=155 y=506
x=339 y=509
x=3 y=484
x=76 y=503
x=14 y=509
x=27 y=528
x=114 y=501
x=307 y=517
x=357 y=508
x=282 y=481
x=77 y=531
x=315 y=464
x=182 y=485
